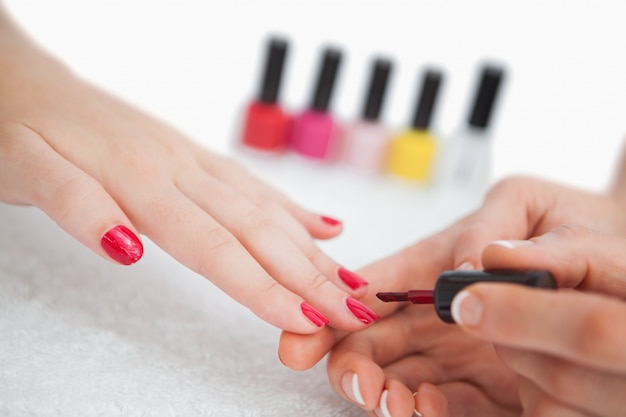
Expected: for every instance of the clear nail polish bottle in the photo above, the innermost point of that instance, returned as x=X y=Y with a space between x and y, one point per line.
x=466 y=163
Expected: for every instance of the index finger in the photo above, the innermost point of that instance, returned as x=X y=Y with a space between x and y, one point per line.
x=585 y=328
x=578 y=257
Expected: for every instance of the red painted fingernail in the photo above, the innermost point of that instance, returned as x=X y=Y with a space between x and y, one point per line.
x=312 y=314
x=351 y=279
x=122 y=245
x=330 y=221
x=362 y=312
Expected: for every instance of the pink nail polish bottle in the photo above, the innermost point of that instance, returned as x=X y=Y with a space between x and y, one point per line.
x=366 y=141
x=315 y=131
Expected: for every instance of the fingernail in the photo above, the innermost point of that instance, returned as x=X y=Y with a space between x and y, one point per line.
x=383 y=409
x=415 y=412
x=121 y=244
x=466 y=266
x=330 y=221
x=351 y=279
x=512 y=244
x=467 y=309
x=350 y=386
x=312 y=314
x=362 y=312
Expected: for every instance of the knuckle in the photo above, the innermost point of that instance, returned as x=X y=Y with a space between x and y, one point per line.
x=219 y=238
x=255 y=222
x=70 y=194
x=510 y=184
x=571 y=231
x=316 y=280
x=314 y=254
x=597 y=333
x=217 y=242
x=268 y=289
x=559 y=379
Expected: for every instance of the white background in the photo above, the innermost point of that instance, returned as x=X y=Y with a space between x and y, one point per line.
x=196 y=64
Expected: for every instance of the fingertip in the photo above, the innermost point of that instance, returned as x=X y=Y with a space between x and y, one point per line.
x=429 y=401
x=302 y=351
x=395 y=400
x=323 y=227
x=361 y=381
x=331 y=221
x=356 y=283
x=508 y=254
x=467 y=309
x=122 y=245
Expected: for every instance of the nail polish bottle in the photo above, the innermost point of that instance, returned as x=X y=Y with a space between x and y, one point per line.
x=315 y=131
x=365 y=142
x=266 y=124
x=412 y=152
x=467 y=159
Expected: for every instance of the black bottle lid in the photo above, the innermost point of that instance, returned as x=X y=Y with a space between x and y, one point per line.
x=450 y=283
x=270 y=86
x=377 y=86
x=326 y=79
x=486 y=94
x=427 y=97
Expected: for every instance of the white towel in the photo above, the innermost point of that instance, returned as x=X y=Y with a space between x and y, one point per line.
x=81 y=336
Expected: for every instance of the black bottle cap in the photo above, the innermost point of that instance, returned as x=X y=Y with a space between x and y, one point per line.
x=427 y=97
x=490 y=80
x=270 y=85
x=377 y=87
x=450 y=283
x=326 y=79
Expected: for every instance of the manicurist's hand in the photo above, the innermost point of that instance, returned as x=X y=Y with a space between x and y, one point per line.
x=107 y=173
x=568 y=347
x=515 y=209
x=517 y=352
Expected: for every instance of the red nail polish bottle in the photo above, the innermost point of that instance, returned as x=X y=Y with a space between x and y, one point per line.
x=267 y=125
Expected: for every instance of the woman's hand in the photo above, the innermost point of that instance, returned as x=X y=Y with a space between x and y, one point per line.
x=106 y=172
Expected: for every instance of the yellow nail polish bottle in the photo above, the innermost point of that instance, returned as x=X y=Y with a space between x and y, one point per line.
x=412 y=152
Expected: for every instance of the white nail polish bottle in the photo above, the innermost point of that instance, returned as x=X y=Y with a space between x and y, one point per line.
x=466 y=161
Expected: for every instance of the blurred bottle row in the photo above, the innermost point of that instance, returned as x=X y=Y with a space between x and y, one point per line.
x=414 y=152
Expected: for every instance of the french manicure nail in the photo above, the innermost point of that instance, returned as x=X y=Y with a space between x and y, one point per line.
x=350 y=386
x=312 y=314
x=512 y=244
x=121 y=244
x=467 y=309
x=415 y=412
x=330 y=221
x=383 y=409
x=466 y=266
x=362 y=312
x=351 y=279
